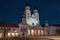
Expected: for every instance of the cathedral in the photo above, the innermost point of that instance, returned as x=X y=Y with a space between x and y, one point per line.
x=30 y=23
x=29 y=26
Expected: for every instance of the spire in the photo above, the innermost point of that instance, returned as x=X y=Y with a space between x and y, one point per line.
x=46 y=23
x=27 y=3
x=35 y=4
x=35 y=7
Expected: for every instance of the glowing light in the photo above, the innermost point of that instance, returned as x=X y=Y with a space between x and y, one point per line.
x=38 y=32
x=13 y=34
x=32 y=32
x=1 y=35
x=17 y=34
x=15 y=30
x=9 y=34
x=41 y=32
x=28 y=32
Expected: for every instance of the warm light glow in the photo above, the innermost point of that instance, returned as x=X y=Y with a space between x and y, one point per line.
x=38 y=32
x=9 y=34
x=41 y=32
x=17 y=34
x=1 y=35
x=15 y=30
x=13 y=34
x=32 y=32
x=28 y=32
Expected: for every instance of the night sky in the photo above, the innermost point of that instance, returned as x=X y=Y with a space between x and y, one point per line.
x=11 y=11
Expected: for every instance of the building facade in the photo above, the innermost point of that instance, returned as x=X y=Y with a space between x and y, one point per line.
x=30 y=22
x=30 y=25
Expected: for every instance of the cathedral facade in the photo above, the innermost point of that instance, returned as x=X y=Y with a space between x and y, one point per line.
x=30 y=23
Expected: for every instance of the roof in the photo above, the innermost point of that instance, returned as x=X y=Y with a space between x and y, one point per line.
x=8 y=25
x=16 y=25
x=53 y=25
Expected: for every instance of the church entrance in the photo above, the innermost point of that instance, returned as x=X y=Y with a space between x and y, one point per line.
x=24 y=31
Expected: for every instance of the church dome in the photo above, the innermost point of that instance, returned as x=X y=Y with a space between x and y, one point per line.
x=35 y=10
x=27 y=6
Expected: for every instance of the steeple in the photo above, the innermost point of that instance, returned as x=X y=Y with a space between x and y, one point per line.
x=35 y=10
x=26 y=8
x=35 y=7
x=46 y=24
x=35 y=4
x=27 y=12
x=27 y=3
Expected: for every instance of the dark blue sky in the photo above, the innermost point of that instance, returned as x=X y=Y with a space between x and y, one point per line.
x=11 y=11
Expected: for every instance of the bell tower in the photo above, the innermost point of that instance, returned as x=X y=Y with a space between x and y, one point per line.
x=27 y=12
x=36 y=14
